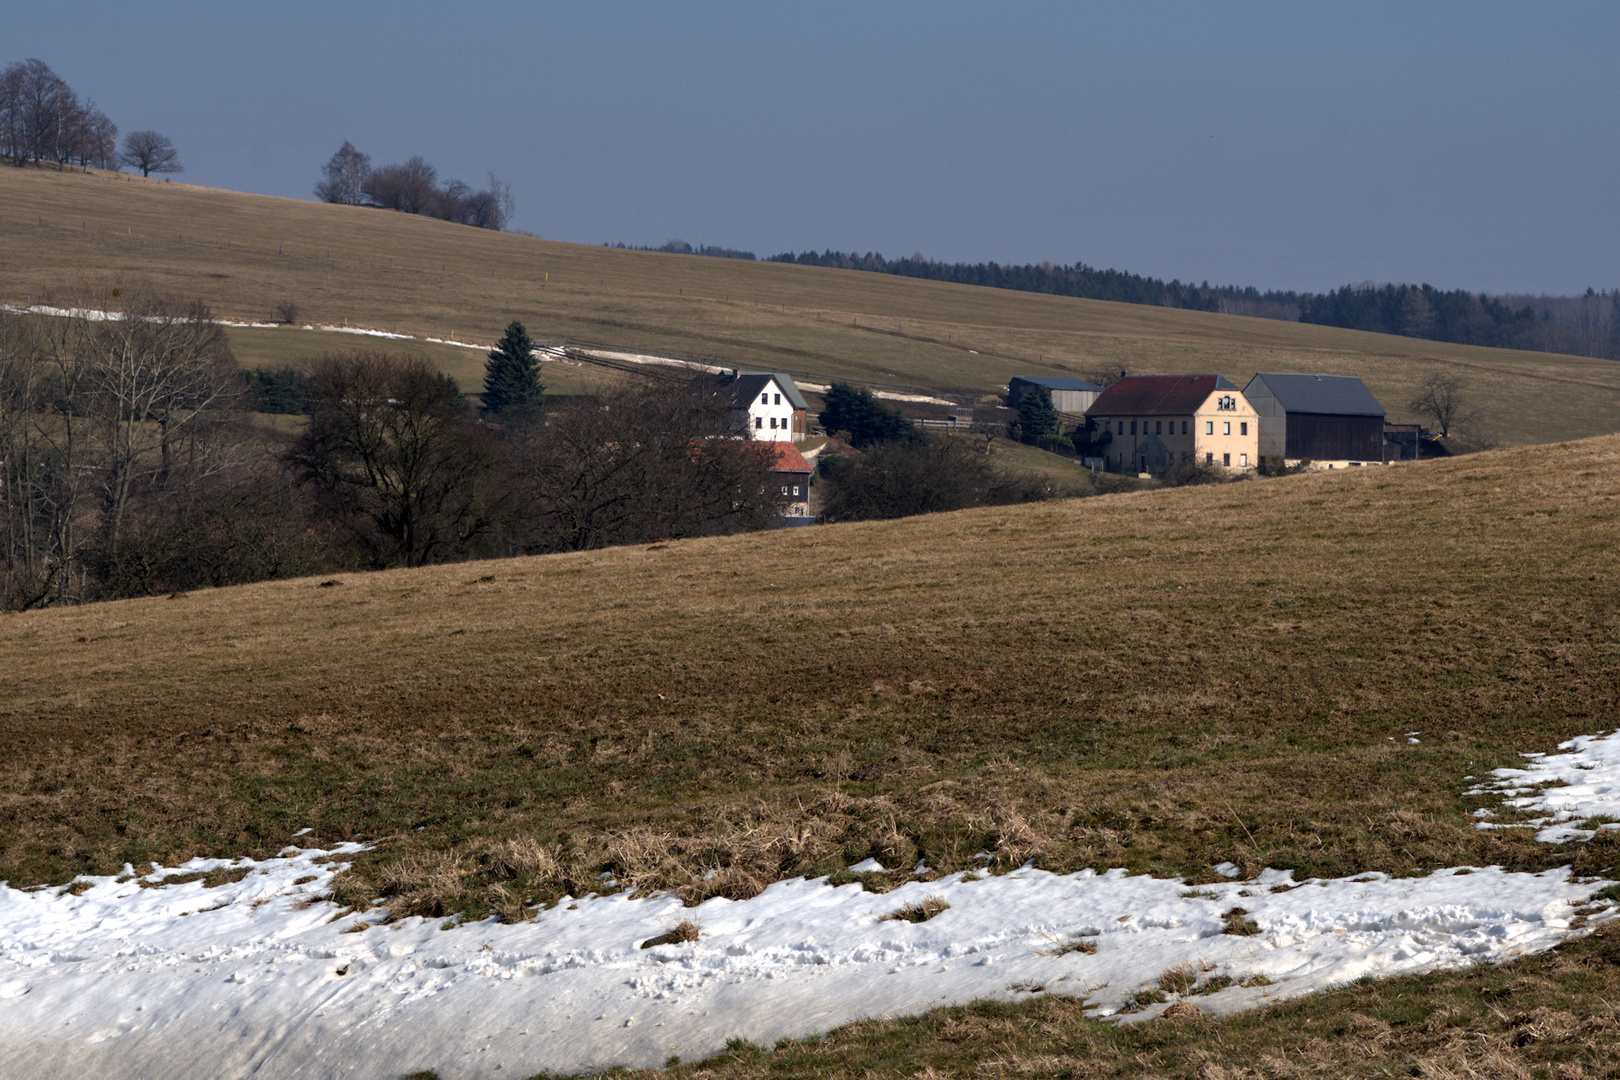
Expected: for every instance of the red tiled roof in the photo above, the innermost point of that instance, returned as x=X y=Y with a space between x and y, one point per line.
x=1157 y=395
x=788 y=459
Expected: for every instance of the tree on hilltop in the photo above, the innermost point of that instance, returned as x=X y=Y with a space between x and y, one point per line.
x=343 y=178
x=512 y=375
x=150 y=152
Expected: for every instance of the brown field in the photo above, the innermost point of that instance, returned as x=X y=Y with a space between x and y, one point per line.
x=1160 y=680
x=245 y=254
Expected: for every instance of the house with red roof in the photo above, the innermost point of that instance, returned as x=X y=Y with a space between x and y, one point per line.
x=1148 y=423
x=792 y=473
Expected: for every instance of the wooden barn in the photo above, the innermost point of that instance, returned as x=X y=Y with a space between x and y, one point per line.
x=1326 y=419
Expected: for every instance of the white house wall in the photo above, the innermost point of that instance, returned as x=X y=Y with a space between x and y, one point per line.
x=770 y=415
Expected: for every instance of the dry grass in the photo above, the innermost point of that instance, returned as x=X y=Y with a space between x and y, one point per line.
x=1160 y=681
x=919 y=912
x=245 y=255
x=682 y=933
x=1178 y=979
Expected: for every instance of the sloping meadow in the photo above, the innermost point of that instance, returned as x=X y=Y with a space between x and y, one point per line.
x=1302 y=673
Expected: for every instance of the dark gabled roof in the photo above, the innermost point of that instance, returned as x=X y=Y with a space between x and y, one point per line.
x=1157 y=395
x=1330 y=395
x=1055 y=384
x=795 y=398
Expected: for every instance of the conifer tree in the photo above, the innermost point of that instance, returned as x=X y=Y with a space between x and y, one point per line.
x=512 y=375
x=1037 y=416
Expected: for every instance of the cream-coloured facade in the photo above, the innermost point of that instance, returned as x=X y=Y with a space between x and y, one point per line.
x=1155 y=422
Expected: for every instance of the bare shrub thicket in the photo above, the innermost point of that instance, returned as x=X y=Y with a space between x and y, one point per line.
x=920 y=476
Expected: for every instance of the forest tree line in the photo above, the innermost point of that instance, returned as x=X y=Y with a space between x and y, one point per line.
x=132 y=462
x=1586 y=325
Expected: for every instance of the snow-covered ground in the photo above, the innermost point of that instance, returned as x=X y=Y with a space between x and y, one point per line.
x=130 y=977
x=1576 y=792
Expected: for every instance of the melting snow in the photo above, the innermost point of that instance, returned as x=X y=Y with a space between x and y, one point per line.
x=1586 y=785
x=133 y=976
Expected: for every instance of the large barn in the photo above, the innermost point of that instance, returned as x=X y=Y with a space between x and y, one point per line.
x=1073 y=396
x=1324 y=419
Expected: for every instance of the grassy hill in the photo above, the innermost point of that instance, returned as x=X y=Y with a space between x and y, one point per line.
x=1161 y=681
x=246 y=254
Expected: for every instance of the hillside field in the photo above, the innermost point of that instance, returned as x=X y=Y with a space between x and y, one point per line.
x=1160 y=681
x=63 y=234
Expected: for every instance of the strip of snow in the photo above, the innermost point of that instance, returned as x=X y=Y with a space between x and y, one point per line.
x=260 y=977
x=1586 y=785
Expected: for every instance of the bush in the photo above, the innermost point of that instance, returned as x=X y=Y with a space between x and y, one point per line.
x=1190 y=471
x=921 y=476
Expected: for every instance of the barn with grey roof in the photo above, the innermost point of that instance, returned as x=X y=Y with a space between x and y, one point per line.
x=1319 y=418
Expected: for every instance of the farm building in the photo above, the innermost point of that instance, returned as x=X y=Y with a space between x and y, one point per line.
x=1147 y=423
x=1068 y=395
x=776 y=411
x=1325 y=419
x=792 y=473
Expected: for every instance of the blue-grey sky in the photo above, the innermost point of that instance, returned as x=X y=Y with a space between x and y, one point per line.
x=1282 y=145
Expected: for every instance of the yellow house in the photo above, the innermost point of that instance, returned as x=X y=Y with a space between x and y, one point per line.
x=1147 y=423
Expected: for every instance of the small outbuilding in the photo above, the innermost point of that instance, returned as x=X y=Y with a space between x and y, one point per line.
x=1325 y=419
x=1072 y=396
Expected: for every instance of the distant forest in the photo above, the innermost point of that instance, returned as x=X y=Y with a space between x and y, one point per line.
x=681 y=247
x=1586 y=325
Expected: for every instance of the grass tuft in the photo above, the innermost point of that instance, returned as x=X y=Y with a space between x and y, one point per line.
x=1237 y=921
x=682 y=933
x=919 y=912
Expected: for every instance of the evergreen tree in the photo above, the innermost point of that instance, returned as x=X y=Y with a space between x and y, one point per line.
x=1037 y=416
x=854 y=410
x=512 y=375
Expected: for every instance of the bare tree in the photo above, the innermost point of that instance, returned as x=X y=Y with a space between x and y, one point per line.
x=343 y=178
x=412 y=188
x=153 y=381
x=648 y=464
x=1440 y=400
x=34 y=104
x=151 y=153
x=394 y=452
x=42 y=471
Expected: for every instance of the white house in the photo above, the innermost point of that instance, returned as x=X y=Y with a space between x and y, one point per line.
x=777 y=412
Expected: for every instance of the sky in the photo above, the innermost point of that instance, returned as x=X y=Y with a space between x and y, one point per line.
x=1280 y=145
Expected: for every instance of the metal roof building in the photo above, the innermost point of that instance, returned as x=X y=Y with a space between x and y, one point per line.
x=1320 y=418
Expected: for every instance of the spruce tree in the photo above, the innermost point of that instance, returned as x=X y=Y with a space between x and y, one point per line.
x=1037 y=416
x=512 y=375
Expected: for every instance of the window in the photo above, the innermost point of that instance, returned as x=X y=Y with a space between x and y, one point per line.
x=1209 y=459
x=778 y=399
x=764 y=399
x=1209 y=427
x=1243 y=460
x=1158 y=427
x=1226 y=459
x=759 y=422
x=784 y=489
x=1226 y=427
x=1243 y=428
x=1133 y=427
x=795 y=491
x=1108 y=427
x=1184 y=427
